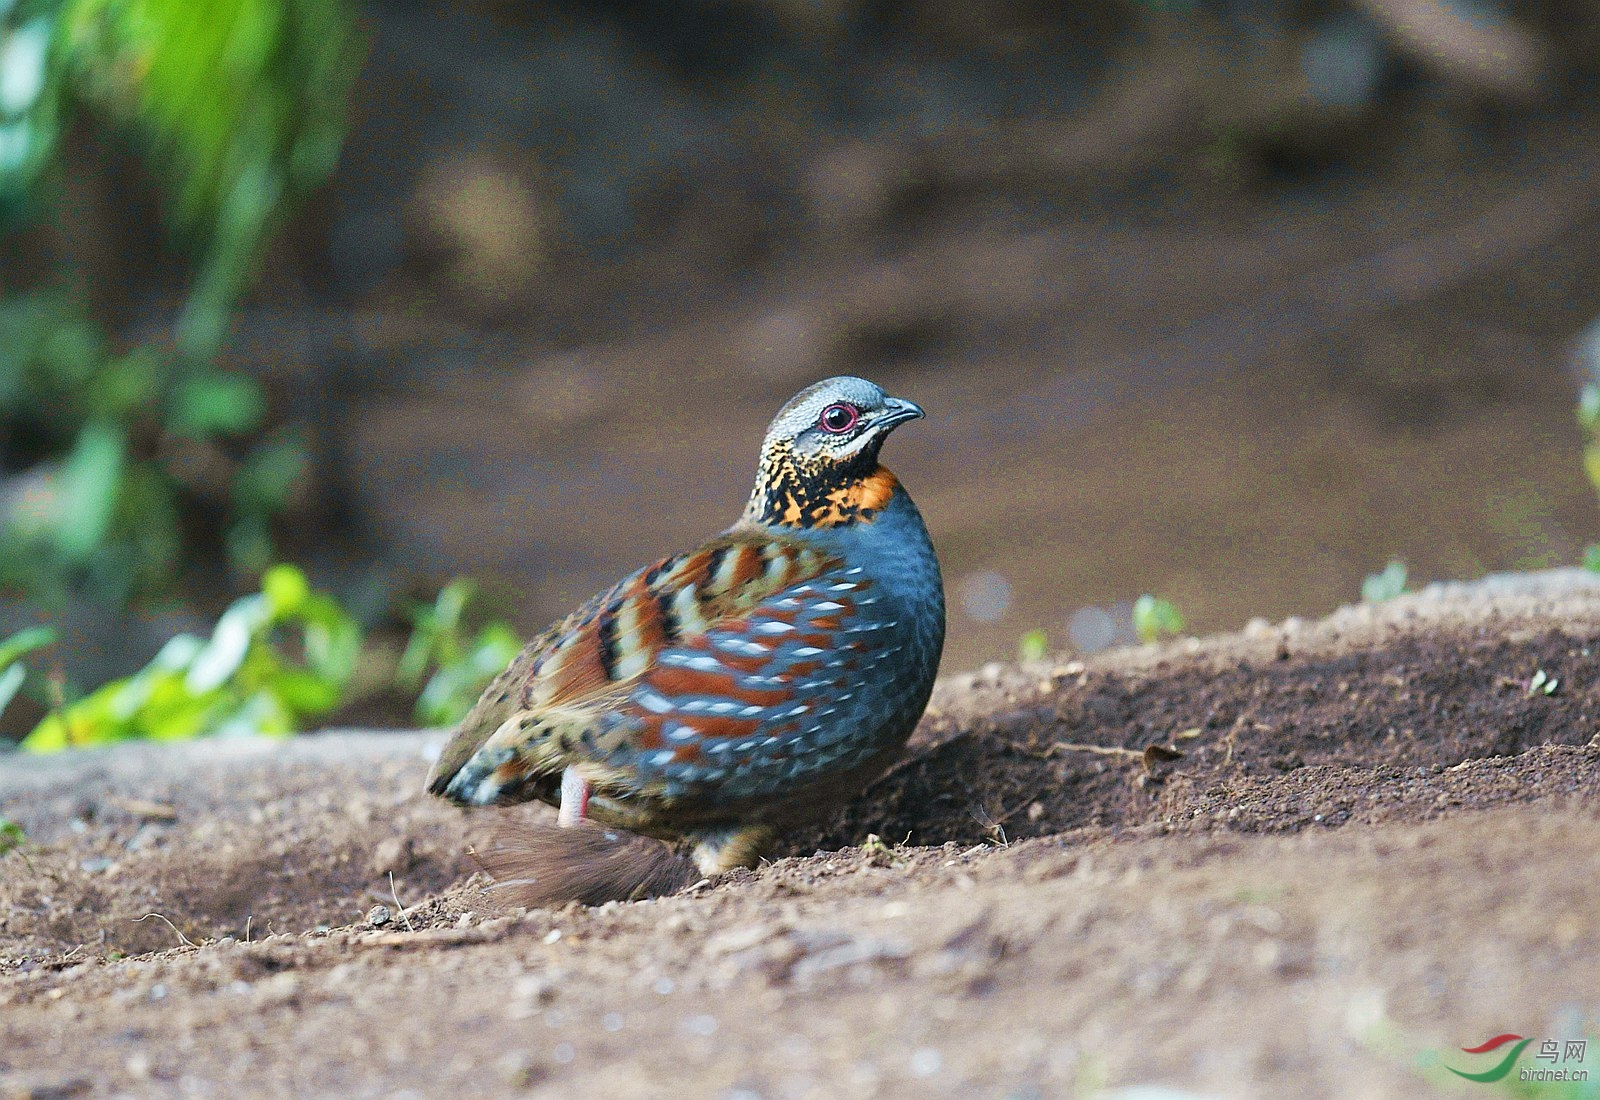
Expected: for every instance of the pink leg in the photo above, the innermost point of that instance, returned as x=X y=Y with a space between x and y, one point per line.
x=574 y=798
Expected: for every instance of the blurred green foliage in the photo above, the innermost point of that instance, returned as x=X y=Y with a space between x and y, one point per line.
x=239 y=108
x=99 y=510
x=12 y=650
x=1589 y=417
x=11 y=835
x=1387 y=585
x=1033 y=646
x=109 y=455
x=275 y=660
x=462 y=661
x=239 y=105
x=1155 y=618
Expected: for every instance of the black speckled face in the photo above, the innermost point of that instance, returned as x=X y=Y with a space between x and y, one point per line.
x=819 y=462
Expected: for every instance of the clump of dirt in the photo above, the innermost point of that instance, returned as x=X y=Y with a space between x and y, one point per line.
x=1286 y=862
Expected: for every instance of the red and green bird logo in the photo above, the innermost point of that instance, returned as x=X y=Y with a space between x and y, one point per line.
x=1498 y=1071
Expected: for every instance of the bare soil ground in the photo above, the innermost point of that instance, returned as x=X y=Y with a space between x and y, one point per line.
x=1380 y=843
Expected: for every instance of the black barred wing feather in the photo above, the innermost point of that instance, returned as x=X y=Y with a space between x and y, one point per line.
x=570 y=696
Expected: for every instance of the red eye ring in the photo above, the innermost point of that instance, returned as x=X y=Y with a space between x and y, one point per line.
x=839 y=418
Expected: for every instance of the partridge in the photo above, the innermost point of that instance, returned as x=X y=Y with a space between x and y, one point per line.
x=721 y=694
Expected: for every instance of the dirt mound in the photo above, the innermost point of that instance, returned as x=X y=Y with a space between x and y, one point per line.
x=1069 y=892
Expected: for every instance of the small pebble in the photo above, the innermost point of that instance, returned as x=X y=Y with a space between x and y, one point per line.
x=379 y=915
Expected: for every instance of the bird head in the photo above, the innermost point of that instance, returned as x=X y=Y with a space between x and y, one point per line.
x=819 y=461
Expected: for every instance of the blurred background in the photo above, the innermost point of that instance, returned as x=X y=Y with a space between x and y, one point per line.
x=1228 y=302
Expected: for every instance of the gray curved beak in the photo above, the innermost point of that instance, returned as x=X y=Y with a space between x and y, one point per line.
x=897 y=410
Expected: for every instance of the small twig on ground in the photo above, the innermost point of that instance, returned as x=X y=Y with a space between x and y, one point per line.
x=181 y=937
x=400 y=910
x=1098 y=750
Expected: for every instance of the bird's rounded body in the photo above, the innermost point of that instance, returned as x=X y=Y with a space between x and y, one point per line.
x=720 y=694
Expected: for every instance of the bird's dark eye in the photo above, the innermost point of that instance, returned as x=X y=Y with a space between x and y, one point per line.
x=839 y=418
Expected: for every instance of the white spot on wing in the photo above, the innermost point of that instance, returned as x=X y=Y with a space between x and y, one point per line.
x=653 y=701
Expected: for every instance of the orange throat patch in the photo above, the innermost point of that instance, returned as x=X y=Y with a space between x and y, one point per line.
x=855 y=502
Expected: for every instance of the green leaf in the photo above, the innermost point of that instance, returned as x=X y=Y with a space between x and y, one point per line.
x=12 y=650
x=305 y=692
x=1591 y=464
x=1154 y=618
x=216 y=404
x=1387 y=585
x=333 y=649
x=89 y=484
x=230 y=642
x=1033 y=646
x=267 y=478
x=239 y=680
x=24 y=642
x=10 y=683
x=1589 y=405
x=124 y=386
x=1591 y=557
x=462 y=666
x=286 y=590
x=49 y=735
x=11 y=836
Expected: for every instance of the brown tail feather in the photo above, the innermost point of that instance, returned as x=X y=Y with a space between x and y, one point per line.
x=537 y=864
